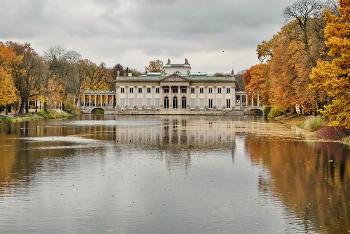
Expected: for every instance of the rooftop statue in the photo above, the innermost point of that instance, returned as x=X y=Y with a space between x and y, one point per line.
x=186 y=61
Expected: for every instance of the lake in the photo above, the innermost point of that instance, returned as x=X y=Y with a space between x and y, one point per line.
x=170 y=174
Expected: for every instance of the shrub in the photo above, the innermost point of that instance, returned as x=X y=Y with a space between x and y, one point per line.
x=70 y=107
x=330 y=133
x=275 y=112
x=7 y=119
x=314 y=123
x=267 y=110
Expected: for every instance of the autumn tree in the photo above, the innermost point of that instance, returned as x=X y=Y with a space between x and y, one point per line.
x=255 y=81
x=29 y=74
x=239 y=80
x=334 y=76
x=291 y=54
x=94 y=77
x=117 y=70
x=154 y=66
x=63 y=80
x=8 y=91
x=135 y=72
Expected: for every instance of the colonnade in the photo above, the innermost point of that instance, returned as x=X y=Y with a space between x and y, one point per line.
x=97 y=99
x=244 y=99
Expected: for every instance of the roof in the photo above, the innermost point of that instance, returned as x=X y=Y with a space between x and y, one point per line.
x=98 y=92
x=193 y=77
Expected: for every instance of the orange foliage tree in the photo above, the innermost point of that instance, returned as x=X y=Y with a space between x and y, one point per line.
x=29 y=74
x=334 y=76
x=291 y=54
x=255 y=81
x=7 y=88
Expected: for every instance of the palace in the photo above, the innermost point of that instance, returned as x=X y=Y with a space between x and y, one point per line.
x=176 y=87
x=173 y=90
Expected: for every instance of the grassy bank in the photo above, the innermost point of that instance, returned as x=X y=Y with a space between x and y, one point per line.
x=317 y=126
x=50 y=114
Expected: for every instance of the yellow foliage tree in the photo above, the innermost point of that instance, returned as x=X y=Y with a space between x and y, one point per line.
x=154 y=66
x=334 y=76
x=8 y=92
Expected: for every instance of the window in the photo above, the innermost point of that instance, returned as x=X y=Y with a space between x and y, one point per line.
x=157 y=103
x=219 y=103
x=148 y=90
x=219 y=90
x=183 y=103
x=228 y=90
x=140 y=90
x=201 y=103
x=175 y=103
x=193 y=90
x=122 y=102
x=131 y=103
x=210 y=90
x=166 y=103
x=228 y=103
x=183 y=90
x=175 y=90
x=157 y=90
x=201 y=90
x=131 y=90
x=193 y=103
x=166 y=90
x=122 y=90
x=139 y=103
x=210 y=103
x=148 y=103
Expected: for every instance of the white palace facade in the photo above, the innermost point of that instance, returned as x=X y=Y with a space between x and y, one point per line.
x=174 y=89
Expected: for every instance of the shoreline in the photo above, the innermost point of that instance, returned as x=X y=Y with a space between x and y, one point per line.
x=12 y=117
x=296 y=120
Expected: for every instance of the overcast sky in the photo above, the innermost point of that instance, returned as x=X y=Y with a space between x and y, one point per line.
x=214 y=35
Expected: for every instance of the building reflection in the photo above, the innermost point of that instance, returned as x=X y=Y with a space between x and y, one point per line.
x=174 y=137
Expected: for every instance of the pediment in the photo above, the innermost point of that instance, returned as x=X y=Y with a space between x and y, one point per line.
x=174 y=78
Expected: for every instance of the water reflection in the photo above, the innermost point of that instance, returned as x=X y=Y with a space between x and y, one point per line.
x=228 y=171
x=310 y=179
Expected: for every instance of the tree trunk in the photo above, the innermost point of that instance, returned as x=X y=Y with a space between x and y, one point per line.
x=27 y=107
x=21 y=107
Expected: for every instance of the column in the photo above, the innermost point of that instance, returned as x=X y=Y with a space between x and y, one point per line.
x=206 y=104
x=161 y=96
x=117 y=90
x=233 y=98
x=197 y=97
x=153 y=99
x=214 y=97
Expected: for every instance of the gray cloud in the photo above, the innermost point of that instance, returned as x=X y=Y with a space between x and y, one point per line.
x=113 y=30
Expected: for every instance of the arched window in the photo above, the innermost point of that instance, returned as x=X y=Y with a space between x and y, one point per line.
x=166 y=103
x=175 y=103
x=183 y=104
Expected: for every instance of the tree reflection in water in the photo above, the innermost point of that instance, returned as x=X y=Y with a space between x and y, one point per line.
x=310 y=179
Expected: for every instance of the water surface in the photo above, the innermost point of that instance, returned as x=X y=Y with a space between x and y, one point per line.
x=169 y=174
